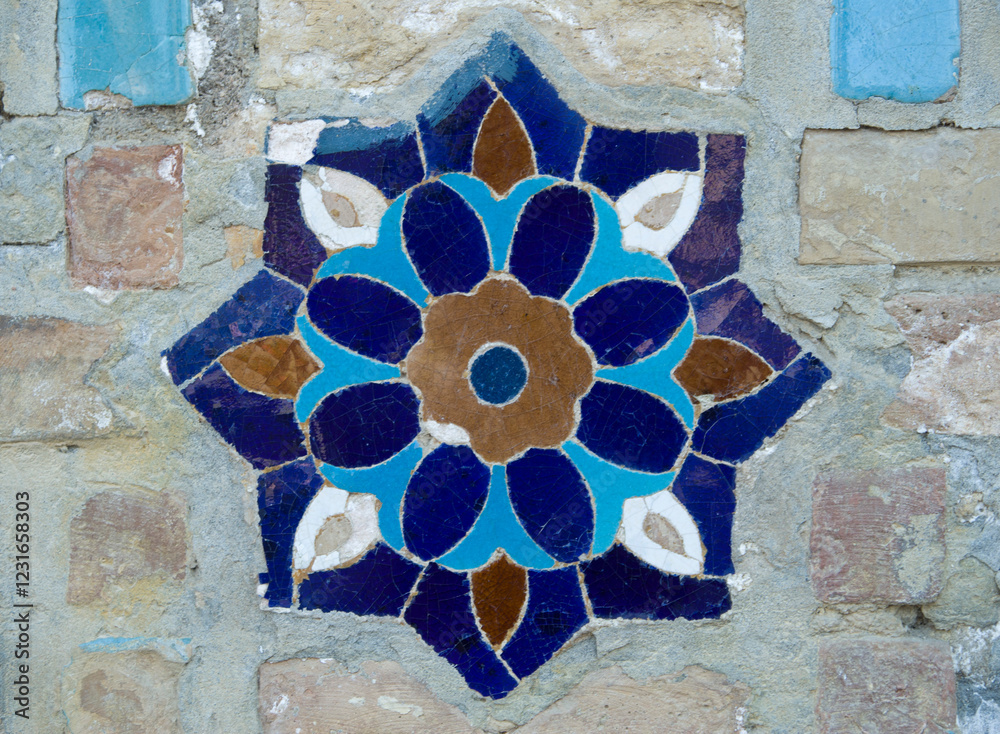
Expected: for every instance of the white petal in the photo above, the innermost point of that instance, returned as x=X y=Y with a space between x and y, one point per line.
x=633 y=534
x=368 y=203
x=293 y=142
x=447 y=432
x=659 y=242
x=362 y=512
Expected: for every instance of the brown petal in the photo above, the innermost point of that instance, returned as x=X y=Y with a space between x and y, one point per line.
x=276 y=365
x=720 y=368
x=503 y=154
x=499 y=591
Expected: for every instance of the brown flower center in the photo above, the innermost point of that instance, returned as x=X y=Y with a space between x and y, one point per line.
x=559 y=369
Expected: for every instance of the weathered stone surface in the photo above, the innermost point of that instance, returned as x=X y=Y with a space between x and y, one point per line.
x=121 y=693
x=32 y=152
x=118 y=539
x=314 y=696
x=693 y=701
x=243 y=242
x=953 y=386
x=28 y=57
x=869 y=196
x=43 y=369
x=969 y=597
x=379 y=45
x=124 y=209
x=884 y=687
x=878 y=536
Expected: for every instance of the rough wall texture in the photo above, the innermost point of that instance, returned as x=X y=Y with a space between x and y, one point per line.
x=149 y=621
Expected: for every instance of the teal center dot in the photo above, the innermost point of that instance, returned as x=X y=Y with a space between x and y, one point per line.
x=497 y=375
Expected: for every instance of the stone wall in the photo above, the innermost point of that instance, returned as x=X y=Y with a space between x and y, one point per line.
x=865 y=541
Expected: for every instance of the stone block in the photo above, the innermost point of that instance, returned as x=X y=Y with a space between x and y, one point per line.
x=693 y=701
x=878 y=536
x=953 y=386
x=970 y=597
x=366 y=46
x=124 y=209
x=312 y=696
x=119 y=539
x=122 y=693
x=44 y=365
x=886 y=687
x=868 y=196
x=28 y=57
x=32 y=154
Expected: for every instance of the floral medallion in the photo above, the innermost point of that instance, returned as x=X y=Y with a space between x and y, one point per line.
x=498 y=370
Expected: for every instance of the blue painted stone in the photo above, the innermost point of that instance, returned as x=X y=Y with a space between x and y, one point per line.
x=554 y=613
x=290 y=247
x=734 y=431
x=552 y=502
x=387 y=157
x=448 y=132
x=706 y=491
x=262 y=429
x=443 y=499
x=498 y=375
x=264 y=306
x=441 y=613
x=904 y=50
x=555 y=130
x=365 y=316
x=378 y=584
x=631 y=319
x=553 y=238
x=282 y=498
x=620 y=586
x=445 y=239
x=616 y=160
x=127 y=47
x=365 y=424
x=630 y=428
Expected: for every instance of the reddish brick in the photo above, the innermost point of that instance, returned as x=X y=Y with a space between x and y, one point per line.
x=878 y=536
x=886 y=687
x=124 y=209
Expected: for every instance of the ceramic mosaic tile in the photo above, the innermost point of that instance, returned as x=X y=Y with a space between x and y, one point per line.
x=498 y=371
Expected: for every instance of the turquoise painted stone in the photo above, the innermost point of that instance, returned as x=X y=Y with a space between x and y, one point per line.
x=906 y=50
x=127 y=47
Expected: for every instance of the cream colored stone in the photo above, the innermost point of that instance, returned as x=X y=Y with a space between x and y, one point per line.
x=868 y=196
x=693 y=701
x=243 y=242
x=377 y=45
x=314 y=696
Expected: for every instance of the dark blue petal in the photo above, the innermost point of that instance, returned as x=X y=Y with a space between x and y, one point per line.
x=386 y=157
x=363 y=425
x=264 y=306
x=554 y=613
x=552 y=503
x=443 y=499
x=733 y=431
x=555 y=130
x=616 y=160
x=282 y=498
x=630 y=428
x=710 y=250
x=621 y=586
x=706 y=491
x=631 y=319
x=441 y=613
x=445 y=239
x=553 y=239
x=290 y=247
x=365 y=316
x=379 y=584
x=448 y=130
x=262 y=429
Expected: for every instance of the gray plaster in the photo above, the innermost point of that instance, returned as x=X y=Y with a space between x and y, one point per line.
x=28 y=57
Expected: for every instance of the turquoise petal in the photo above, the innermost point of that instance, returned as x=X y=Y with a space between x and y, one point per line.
x=386 y=481
x=386 y=261
x=653 y=374
x=611 y=486
x=497 y=527
x=499 y=217
x=610 y=260
x=341 y=367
